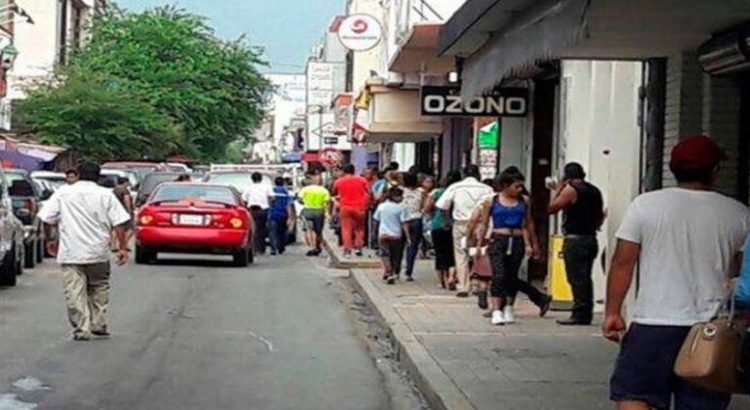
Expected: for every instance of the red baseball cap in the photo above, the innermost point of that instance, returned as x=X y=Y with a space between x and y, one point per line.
x=696 y=152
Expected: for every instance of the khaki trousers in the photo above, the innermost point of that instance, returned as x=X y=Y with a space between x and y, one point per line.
x=87 y=296
x=462 y=256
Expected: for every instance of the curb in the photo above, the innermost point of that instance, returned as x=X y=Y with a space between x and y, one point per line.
x=438 y=389
x=339 y=263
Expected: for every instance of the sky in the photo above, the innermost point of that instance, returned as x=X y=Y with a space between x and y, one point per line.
x=287 y=29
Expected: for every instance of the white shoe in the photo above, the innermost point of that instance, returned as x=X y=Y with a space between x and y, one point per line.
x=508 y=314
x=497 y=318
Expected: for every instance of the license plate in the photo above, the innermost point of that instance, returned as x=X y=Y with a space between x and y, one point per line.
x=190 y=219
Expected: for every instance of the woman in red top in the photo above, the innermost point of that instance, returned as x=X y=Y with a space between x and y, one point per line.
x=354 y=197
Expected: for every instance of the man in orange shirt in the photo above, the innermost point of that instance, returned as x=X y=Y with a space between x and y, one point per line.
x=354 y=197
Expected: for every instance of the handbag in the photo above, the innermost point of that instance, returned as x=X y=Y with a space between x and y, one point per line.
x=711 y=355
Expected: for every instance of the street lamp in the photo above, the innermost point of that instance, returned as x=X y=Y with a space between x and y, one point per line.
x=8 y=56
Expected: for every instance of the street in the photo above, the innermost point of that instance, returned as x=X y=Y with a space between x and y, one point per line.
x=190 y=334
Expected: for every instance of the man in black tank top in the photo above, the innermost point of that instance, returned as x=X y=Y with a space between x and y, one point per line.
x=583 y=214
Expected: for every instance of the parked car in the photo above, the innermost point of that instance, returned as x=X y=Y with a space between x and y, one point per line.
x=190 y=217
x=11 y=237
x=48 y=179
x=26 y=198
x=142 y=168
x=150 y=182
x=241 y=180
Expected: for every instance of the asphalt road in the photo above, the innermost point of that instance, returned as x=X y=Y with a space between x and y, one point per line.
x=191 y=335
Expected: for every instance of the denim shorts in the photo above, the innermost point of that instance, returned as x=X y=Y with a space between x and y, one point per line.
x=644 y=371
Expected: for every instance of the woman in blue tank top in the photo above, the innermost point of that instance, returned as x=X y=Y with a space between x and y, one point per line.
x=507 y=215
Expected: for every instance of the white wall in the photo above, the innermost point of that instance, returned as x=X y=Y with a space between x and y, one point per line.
x=374 y=59
x=37 y=44
x=600 y=130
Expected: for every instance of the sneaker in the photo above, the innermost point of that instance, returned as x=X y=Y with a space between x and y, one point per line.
x=544 y=307
x=391 y=279
x=498 y=318
x=508 y=314
x=347 y=255
x=462 y=294
x=359 y=253
x=100 y=333
x=409 y=278
x=312 y=252
x=273 y=253
x=81 y=337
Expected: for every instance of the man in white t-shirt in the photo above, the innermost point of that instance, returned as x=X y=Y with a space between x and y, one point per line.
x=687 y=240
x=258 y=197
x=87 y=214
x=463 y=197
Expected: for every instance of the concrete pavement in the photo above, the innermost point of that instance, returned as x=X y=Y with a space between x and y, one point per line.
x=460 y=361
x=191 y=335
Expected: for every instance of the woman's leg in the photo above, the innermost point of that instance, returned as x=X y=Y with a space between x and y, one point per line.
x=496 y=251
x=415 y=238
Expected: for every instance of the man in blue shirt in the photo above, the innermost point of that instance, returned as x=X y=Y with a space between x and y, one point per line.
x=280 y=217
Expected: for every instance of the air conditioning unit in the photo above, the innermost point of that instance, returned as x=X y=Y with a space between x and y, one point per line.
x=727 y=53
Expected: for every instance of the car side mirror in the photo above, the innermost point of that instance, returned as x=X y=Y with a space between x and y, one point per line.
x=46 y=194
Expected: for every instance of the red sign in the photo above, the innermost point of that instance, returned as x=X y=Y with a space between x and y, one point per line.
x=330 y=157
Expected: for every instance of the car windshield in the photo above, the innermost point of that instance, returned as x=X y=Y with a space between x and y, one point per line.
x=154 y=179
x=239 y=180
x=178 y=192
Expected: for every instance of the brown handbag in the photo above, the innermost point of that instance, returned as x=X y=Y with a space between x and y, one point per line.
x=711 y=355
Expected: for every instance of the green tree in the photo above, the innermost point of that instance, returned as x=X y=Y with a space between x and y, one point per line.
x=97 y=120
x=211 y=88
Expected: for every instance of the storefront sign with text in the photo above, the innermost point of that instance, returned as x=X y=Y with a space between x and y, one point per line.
x=501 y=102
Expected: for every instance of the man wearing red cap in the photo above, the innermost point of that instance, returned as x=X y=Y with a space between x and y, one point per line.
x=686 y=241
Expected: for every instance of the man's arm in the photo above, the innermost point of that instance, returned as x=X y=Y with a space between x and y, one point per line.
x=446 y=200
x=618 y=283
x=478 y=222
x=566 y=197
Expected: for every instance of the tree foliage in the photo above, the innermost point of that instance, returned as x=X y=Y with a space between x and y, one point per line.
x=98 y=121
x=171 y=61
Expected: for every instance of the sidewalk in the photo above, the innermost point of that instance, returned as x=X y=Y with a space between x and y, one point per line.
x=460 y=361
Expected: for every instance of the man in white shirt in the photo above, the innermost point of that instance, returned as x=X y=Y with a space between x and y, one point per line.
x=463 y=196
x=258 y=197
x=87 y=214
x=687 y=241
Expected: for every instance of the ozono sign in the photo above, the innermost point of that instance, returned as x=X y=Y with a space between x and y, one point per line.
x=360 y=32
x=501 y=102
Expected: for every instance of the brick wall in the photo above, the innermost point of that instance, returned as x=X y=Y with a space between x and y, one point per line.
x=698 y=103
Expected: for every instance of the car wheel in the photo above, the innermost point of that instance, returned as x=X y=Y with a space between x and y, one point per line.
x=144 y=256
x=241 y=258
x=250 y=257
x=8 y=270
x=29 y=255
x=40 y=251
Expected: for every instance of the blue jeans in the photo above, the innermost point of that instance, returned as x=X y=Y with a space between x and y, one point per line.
x=415 y=237
x=277 y=234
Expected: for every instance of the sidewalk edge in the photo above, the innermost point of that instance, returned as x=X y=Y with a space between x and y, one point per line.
x=439 y=390
x=338 y=263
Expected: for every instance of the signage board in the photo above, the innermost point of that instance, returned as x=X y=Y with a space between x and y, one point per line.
x=360 y=32
x=330 y=157
x=330 y=140
x=501 y=102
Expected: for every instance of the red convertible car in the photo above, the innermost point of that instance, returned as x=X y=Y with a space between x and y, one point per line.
x=194 y=218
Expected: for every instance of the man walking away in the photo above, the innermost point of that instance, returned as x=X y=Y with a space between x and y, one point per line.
x=280 y=217
x=687 y=243
x=258 y=198
x=86 y=214
x=314 y=198
x=463 y=196
x=583 y=215
x=353 y=194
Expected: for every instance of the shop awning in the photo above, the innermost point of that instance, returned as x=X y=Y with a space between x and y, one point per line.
x=419 y=52
x=394 y=115
x=498 y=37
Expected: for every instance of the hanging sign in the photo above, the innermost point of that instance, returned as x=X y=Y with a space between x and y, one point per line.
x=360 y=32
x=501 y=102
